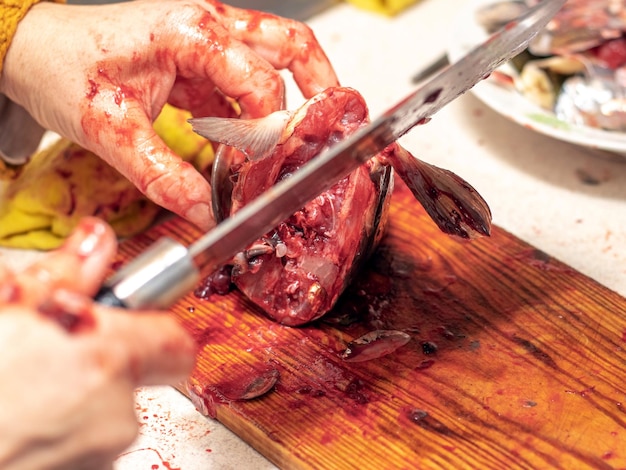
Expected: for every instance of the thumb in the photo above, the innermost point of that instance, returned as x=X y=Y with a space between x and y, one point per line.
x=157 y=349
x=79 y=265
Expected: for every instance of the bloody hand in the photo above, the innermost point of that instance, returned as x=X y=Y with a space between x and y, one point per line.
x=99 y=75
x=69 y=366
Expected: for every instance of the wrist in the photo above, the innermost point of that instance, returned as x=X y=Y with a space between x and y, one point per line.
x=19 y=52
x=12 y=13
x=35 y=72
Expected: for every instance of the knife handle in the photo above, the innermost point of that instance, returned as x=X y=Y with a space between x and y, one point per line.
x=157 y=278
x=107 y=297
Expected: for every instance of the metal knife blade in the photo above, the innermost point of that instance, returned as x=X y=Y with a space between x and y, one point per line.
x=272 y=207
x=167 y=270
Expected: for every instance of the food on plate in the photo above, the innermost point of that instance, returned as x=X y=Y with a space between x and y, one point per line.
x=296 y=272
x=64 y=182
x=576 y=66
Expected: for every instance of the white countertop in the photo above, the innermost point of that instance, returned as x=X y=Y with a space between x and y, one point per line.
x=533 y=183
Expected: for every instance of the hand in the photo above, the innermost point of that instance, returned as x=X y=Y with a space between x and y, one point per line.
x=69 y=367
x=99 y=75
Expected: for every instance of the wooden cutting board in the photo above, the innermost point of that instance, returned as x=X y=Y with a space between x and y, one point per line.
x=516 y=360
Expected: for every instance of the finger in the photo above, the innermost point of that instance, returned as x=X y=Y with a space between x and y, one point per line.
x=201 y=99
x=157 y=349
x=79 y=265
x=286 y=44
x=207 y=50
x=129 y=143
x=142 y=157
x=294 y=48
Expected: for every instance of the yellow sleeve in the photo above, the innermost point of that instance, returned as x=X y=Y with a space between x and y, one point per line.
x=11 y=12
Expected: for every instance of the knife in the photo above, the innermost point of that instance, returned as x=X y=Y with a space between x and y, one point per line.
x=168 y=270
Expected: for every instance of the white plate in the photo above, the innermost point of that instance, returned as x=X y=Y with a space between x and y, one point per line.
x=511 y=104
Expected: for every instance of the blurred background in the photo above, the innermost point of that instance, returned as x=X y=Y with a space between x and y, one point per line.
x=297 y=9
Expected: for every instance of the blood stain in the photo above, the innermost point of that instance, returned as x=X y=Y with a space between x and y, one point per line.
x=433 y=96
x=535 y=351
x=164 y=462
x=425 y=364
x=583 y=393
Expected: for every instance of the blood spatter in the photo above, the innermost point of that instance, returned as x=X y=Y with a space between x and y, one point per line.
x=535 y=351
x=432 y=97
x=73 y=320
x=425 y=364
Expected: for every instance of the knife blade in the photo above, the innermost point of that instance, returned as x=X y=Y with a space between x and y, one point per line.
x=167 y=270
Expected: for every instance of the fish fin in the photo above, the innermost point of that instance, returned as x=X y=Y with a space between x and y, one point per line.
x=257 y=138
x=453 y=204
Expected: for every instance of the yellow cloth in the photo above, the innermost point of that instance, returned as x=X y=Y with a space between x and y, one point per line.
x=388 y=7
x=64 y=182
x=59 y=186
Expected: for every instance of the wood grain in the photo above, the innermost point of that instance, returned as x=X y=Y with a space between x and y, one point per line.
x=516 y=360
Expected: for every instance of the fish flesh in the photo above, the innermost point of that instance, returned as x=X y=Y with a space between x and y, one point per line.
x=296 y=272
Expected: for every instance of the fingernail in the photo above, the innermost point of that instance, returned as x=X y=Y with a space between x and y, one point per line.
x=86 y=237
x=201 y=215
